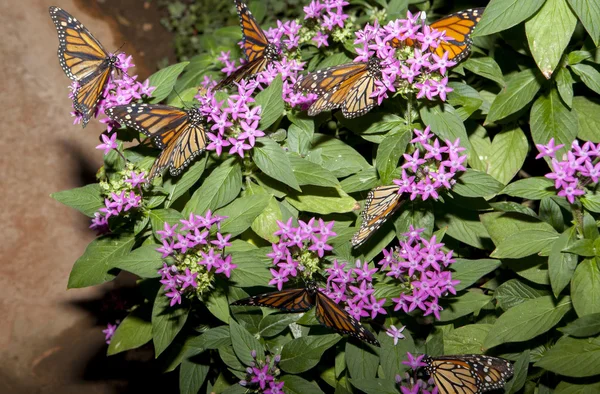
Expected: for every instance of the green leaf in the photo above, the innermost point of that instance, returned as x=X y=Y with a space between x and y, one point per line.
x=176 y=187
x=134 y=331
x=309 y=173
x=501 y=15
x=513 y=292
x=213 y=338
x=391 y=356
x=339 y=158
x=301 y=354
x=242 y=212
x=296 y=385
x=474 y=183
x=550 y=118
x=167 y=321
x=217 y=304
x=588 y=114
x=93 y=267
x=467 y=339
x=244 y=343
x=525 y=243
x=364 y=180
x=564 y=83
x=465 y=304
x=299 y=138
x=191 y=377
x=467 y=99
x=549 y=33
x=464 y=226
x=571 y=388
x=485 y=67
x=520 y=89
x=272 y=160
x=588 y=12
x=507 y=154
x=144 y=261
x=561 y=265
x=573 y=357
x=274 y=323
x=361 y=360
x=582 y=247
x=527 y=320
x=252 y=267
x=521 y=366
x=589 y=75
x=585 y=288
x=86 y=199
x=322 y=200
x=266 y=223
x=585 y=326
x=591 y=202
x=220 y=188
x=534 y=188
x=158 y=218
x=376 y=385
x=271 y=103
x=470 y=271
x=164 y=80
x=389 y=152
x=446 y=124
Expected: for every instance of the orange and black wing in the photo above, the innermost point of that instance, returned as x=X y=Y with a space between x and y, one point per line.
x=244 y=72
x=468 y=374
x=331 y=315
x=290 y=300
x=382 y=202
x=358 y=100
x=458 y=28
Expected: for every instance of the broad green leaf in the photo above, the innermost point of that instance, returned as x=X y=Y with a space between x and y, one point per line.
x=466 y=339
x=564 y=83
x=302 y=354
x=591 y=202
x=220 y=188
x=144 y=261
x=364 y=180
x=485 y=67
x=134 y=331
x=588 y=12
x=561 y=265
x=242 y=212
x=470 y=271
x=533 y=268
x=573 y=357
x=389 y=152
x=176 y=187
x=213 y=338
x=299 y=138
x=274 y=323
x=446 y=124
x=473 y=183
x=520 y=89
x=244 y=343
x=158 y=218
x=296 y=385
x=589 y=75
x=252 y=267
x=266 y=223
x=464 y=226
x=585 y=288
x=527 y=320
x=339 y=158
x=521 y=366
x=391 y=356
x=272 y=160
x=501 y=15
x=376 y=385
x=309 y=173
x=362 y=361
x=582 y=247
x=191 y=377
x=167 y=321
x=571 y=388
x=551 y=213
x=549 y=33
x=524 y=243
x=507 y=154
x=585 y=326
x=465 y=304
x=228 y=356
x=323 y=200
x=465 y=99
x=514 y=292
x=271 y=102
x=216 y=302
x=534 y=188
x=396 y=9
x=550 y=118
x=93 y=267
x=164 y=80
x=501 y=225
x=86 y=199
x=373 y=123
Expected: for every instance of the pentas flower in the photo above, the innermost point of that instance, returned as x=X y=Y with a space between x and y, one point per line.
x=121 y=89
x=261 y=376
x=412 y=382
x=325 y=19
x=109 y=331
x=578 y=168
x=195 y=250
x=420 y=267
x=122 y=196
x=406 y=68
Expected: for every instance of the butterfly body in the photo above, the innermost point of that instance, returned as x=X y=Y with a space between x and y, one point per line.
x=84 y=60
x=468 y=374
x=328 y=313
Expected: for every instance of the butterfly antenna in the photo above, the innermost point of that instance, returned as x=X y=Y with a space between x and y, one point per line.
x=180 y=98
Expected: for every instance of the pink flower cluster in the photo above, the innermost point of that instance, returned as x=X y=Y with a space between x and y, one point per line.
x=299 y=249
x=261 y=376
x=119 y=202
x=233 y=124
x=328 y=15
x=420 y=265
x=195 y=255
x=407 y=68
x=431 y=167
x=411 y=384
x=578 y=168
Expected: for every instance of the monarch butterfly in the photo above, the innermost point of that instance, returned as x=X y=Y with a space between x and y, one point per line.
x=468 y=374
x=327 y=312
x=256 y=47
x=84 y=60
x=381 y=203
x=458 y=28
x=348 y=86
x=179 y=133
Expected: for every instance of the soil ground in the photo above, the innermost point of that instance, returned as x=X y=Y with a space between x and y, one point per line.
x=50 y=337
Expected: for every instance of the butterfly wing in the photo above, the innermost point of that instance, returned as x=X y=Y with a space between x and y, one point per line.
x=458 y=28
x=359 y=101
x=331 y=315
x=181 y=146
x=382 y=202
x=89 y=93
x=254 y=39
x=247 y=70
x=323 y=81
x=290 y=300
